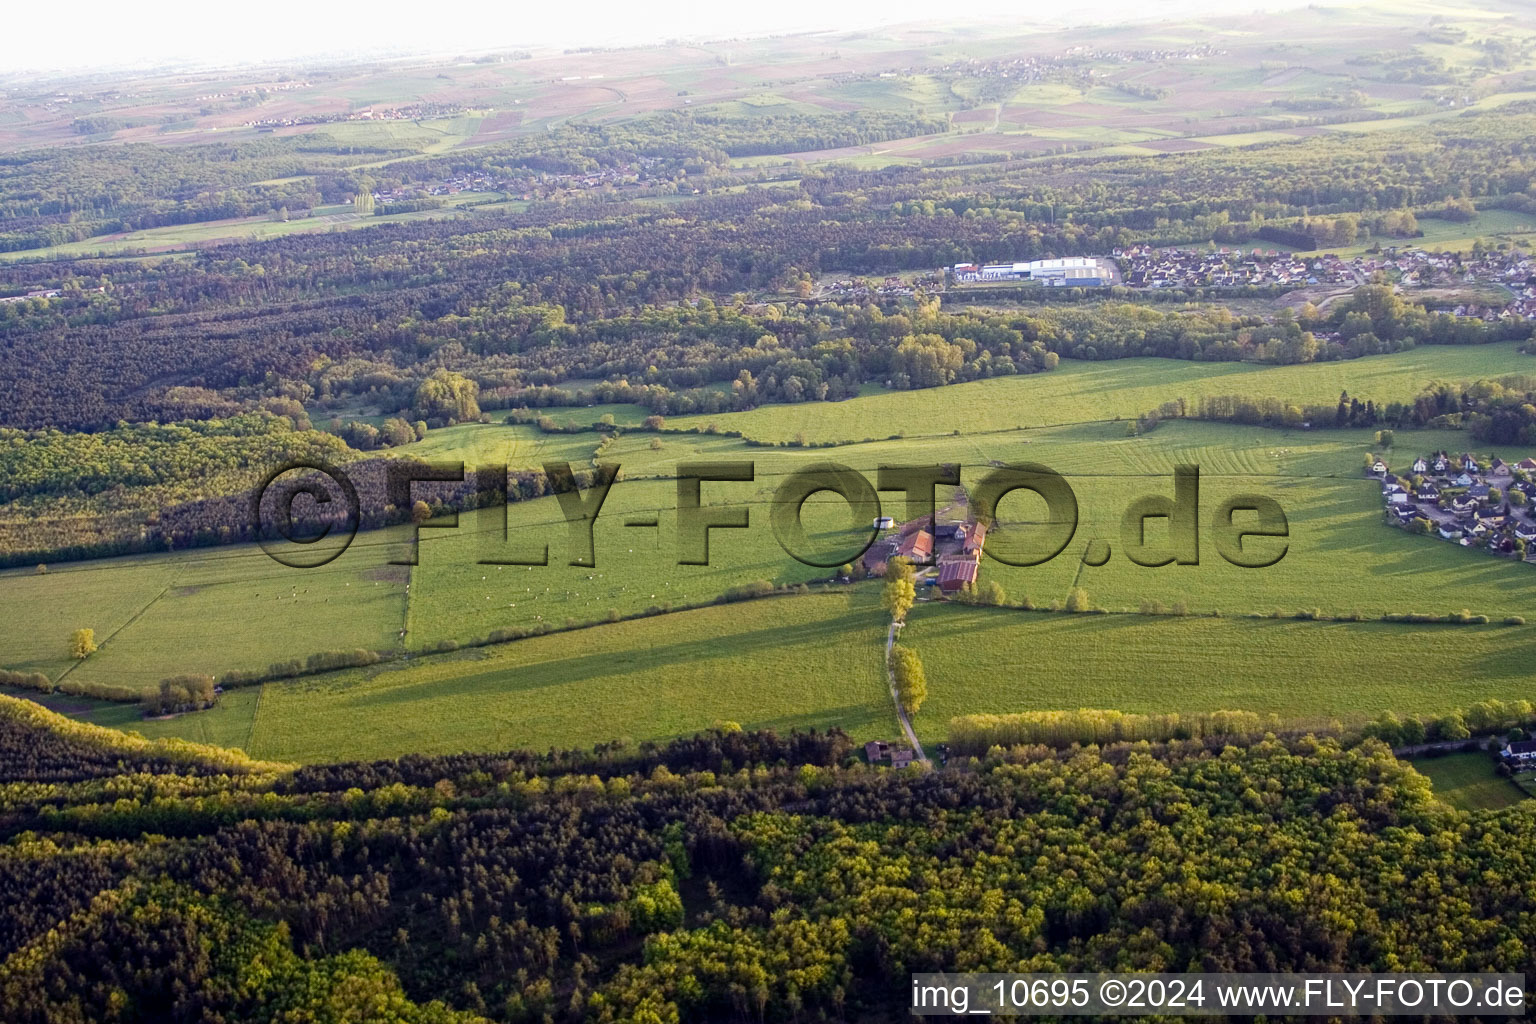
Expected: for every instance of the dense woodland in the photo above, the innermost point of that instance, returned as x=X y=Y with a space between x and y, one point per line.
x=584 y=269
x=700 y=306
x=52 y=196
x=729 y=876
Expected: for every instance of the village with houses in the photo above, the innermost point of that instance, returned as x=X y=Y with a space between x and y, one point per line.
x=543 y=185
x=412 y=112
x=1075 y=63
x=1150 y=268
x=1472 y=501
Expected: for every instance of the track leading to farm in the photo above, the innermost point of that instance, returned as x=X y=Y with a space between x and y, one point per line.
x=901 y=713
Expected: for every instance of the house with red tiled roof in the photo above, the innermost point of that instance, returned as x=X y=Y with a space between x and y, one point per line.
x=916 y=546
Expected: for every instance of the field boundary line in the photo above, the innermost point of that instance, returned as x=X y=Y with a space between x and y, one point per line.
x=250 y=730
x=405 y=621
x=108 y=638
x=901 y=715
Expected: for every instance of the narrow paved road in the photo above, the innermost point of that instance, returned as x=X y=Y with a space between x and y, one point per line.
x=1443 y=746
x=906 y=723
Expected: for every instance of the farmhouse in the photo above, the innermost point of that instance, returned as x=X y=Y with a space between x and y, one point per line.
x=916 y=546
x=1521 y=752
x=881 y=752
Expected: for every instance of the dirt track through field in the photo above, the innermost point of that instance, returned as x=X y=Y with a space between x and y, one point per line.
x=901 y=714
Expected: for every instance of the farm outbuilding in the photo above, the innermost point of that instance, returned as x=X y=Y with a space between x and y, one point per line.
x=956 y=573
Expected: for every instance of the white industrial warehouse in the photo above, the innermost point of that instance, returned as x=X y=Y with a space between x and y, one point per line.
x=1073 y=271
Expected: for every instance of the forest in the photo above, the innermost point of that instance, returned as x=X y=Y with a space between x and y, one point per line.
x=175 y=449
x=53 y=196
x=596 y=259
x=708 y=305
x=728 y=875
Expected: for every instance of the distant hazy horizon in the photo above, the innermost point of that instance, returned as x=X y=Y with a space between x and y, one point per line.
x=108 y=36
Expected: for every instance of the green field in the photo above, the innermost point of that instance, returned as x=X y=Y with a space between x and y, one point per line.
x=812 y=661
x=245 y=229
x=1467 y=782
x=984 y=660
x=455 y=596
x=204 y=610
x=623 y=414
x=218 y=609
x=1488 y=227
x=1340 y=557
x=513 y=445
x=1078 y=391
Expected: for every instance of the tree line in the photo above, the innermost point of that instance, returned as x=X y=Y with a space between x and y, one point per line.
x=727 y=875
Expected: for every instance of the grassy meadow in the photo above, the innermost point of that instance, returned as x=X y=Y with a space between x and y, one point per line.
x=202 y=610
x=986 y=660
x=812 y=661
x=514 y=445
x=217 y=609
x=455 y=596
x=1467 y=782
x=1078 y=391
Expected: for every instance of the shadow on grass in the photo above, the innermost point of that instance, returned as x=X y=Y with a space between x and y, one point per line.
x=502 y=675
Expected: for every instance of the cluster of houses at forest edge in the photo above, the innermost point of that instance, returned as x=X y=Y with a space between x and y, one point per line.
x=1475 y=502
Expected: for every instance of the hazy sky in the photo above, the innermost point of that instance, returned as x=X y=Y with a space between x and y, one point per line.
x=109 y=33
